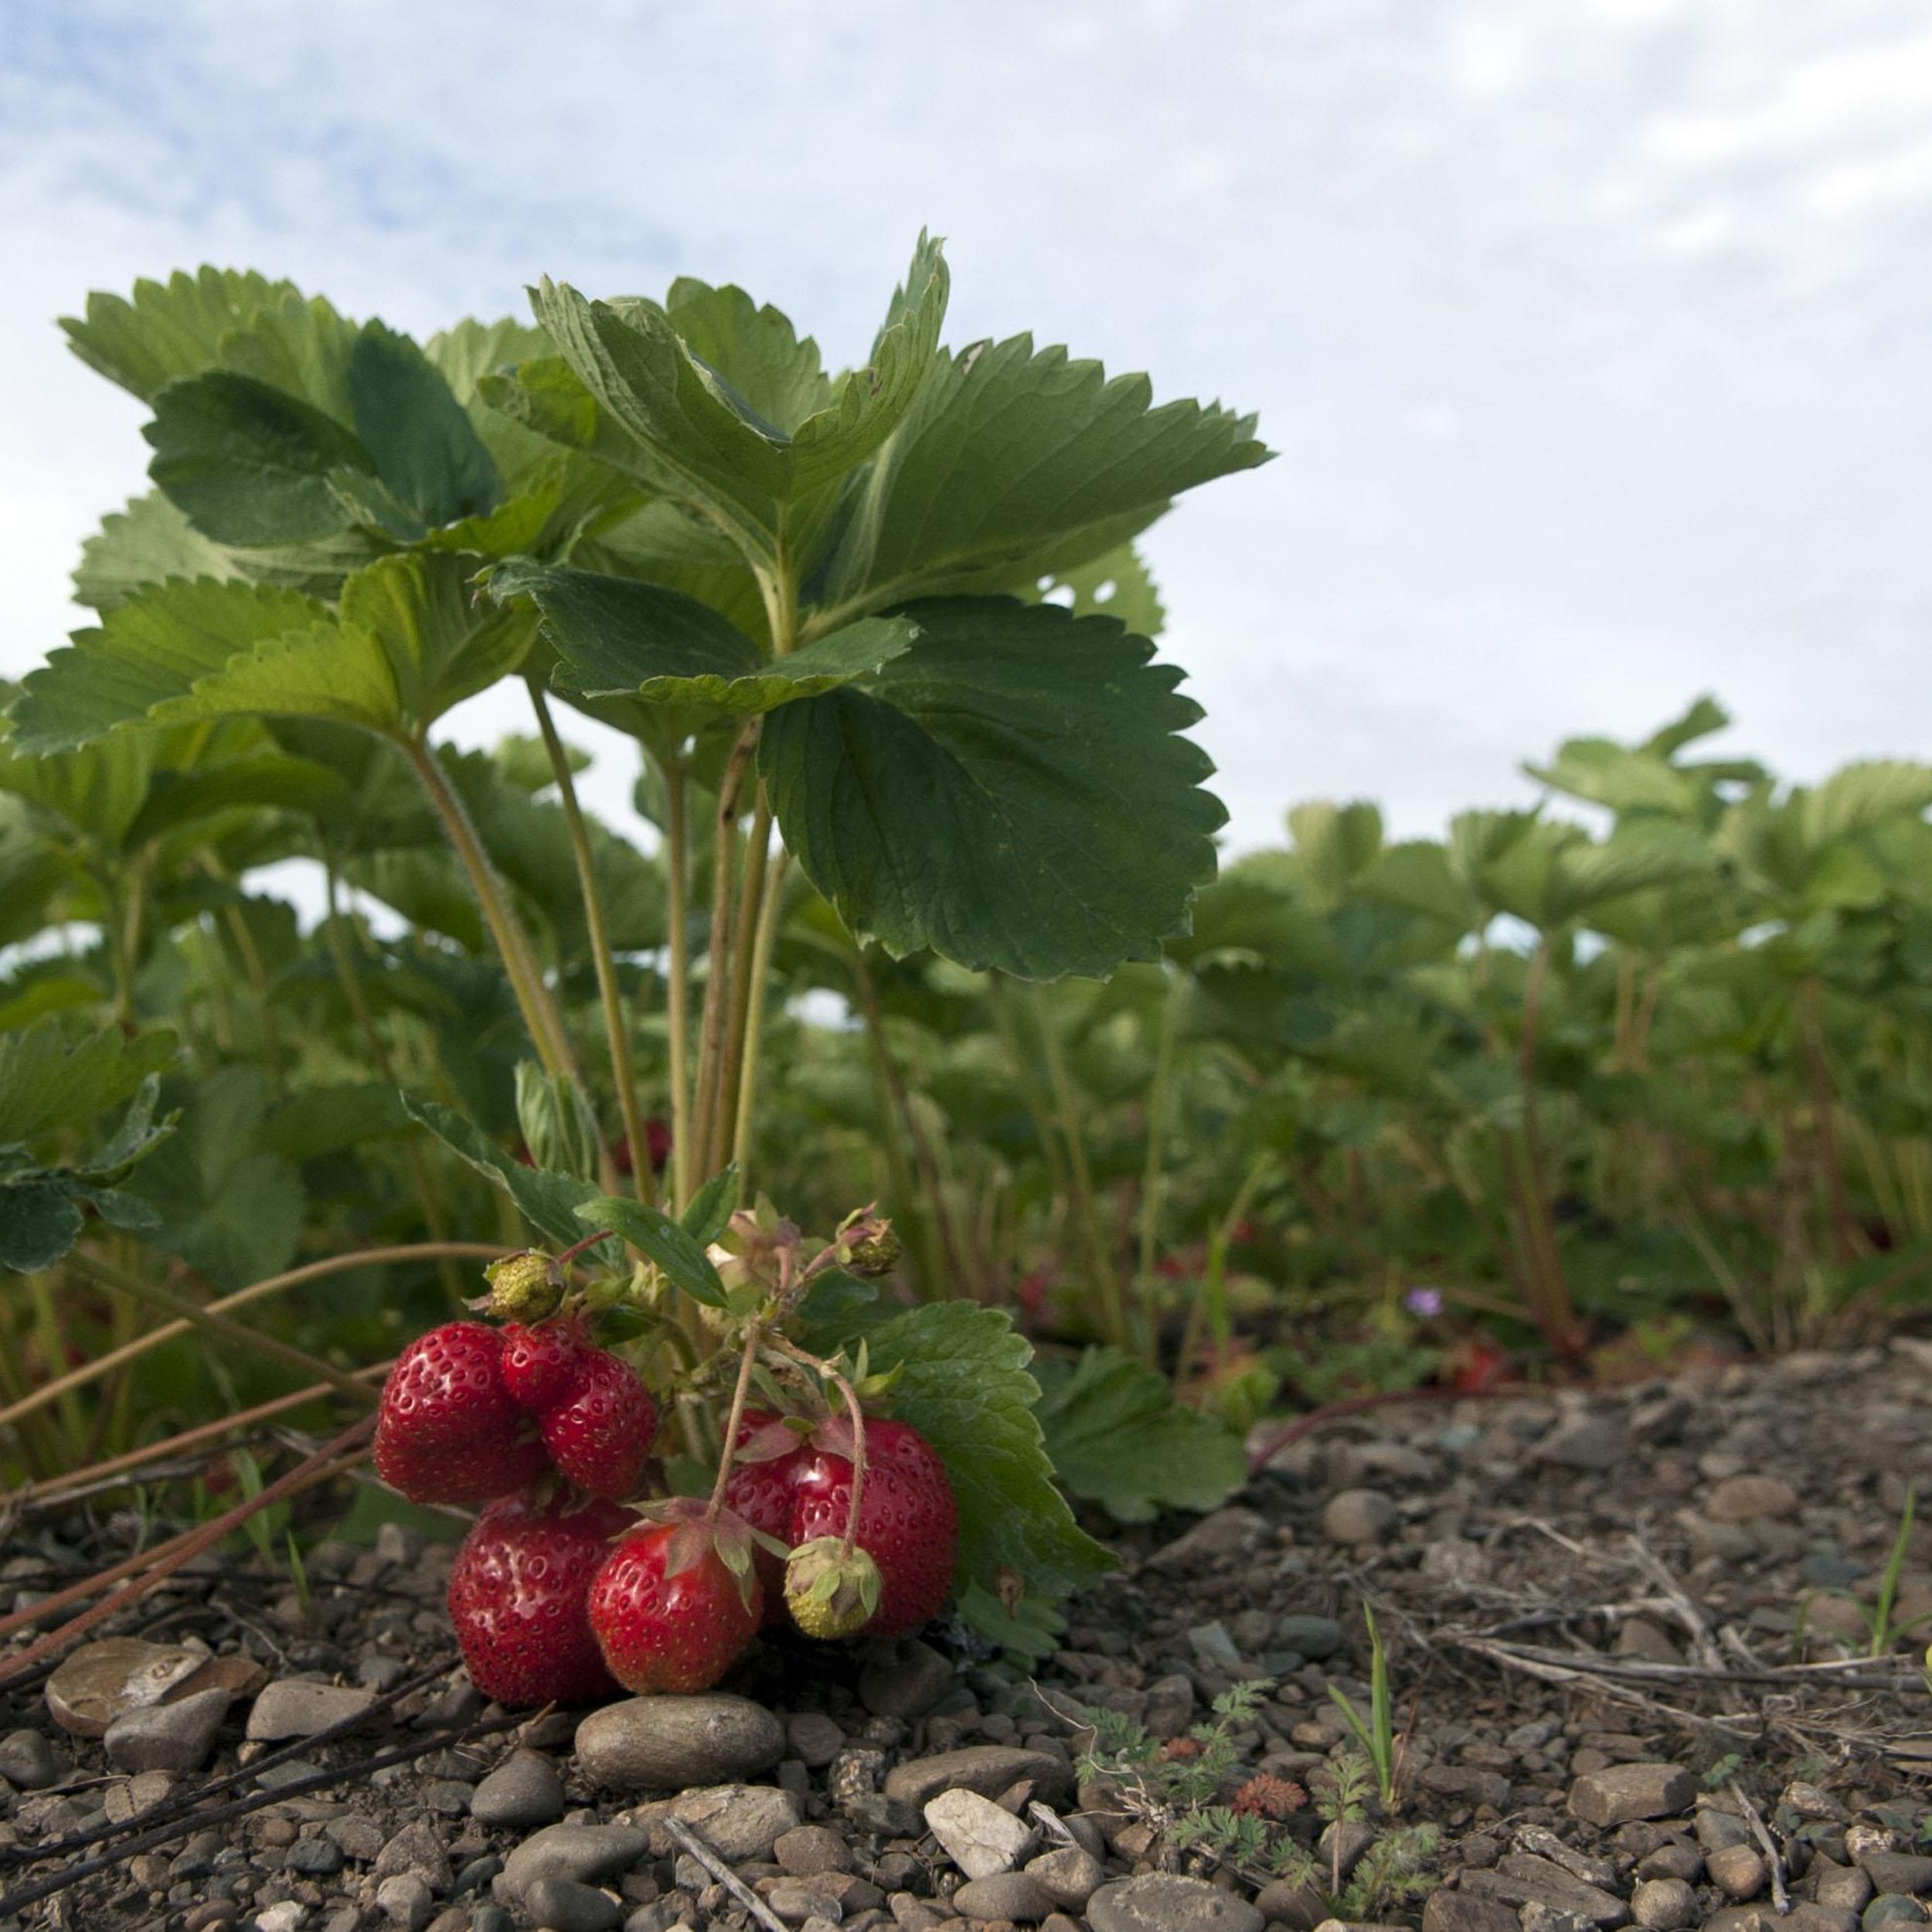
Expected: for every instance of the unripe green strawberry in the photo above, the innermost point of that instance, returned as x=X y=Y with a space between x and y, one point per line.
x=831 y=1591
x=523 y=1287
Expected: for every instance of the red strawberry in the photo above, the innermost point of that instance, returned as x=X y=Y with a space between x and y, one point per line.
x=671 y=1619
x=761 y=1491
x=540 y=1363
x=908 y=1520
x=599 y=1434
x=448 y=1426
x=518 y=1595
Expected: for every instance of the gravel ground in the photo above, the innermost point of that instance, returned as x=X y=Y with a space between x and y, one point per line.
x=1627 y=1642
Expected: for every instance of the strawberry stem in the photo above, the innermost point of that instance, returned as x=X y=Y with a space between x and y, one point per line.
x=571 y=1254
x=851 y=1395
x=738 y=1398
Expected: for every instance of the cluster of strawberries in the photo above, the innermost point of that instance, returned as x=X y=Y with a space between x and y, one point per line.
x=842 y=1527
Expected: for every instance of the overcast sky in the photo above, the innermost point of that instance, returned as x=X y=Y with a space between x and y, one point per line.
x=1593 y=336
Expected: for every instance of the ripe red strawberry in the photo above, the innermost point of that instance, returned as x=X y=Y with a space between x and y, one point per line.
x=447 y=1428
x=599 y=1434
x=541 y=1362
x=908 y=1520
x=519 y=1597
x=671 y=1620
x=761 y=1491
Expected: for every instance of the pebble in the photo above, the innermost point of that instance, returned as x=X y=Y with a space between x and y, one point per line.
x=812 y=1738
x=1590 y=1442
x=1069 y=1874
x=1901 y=1872
x=405 y=1899
x=27 y=1761
x=287 y=1917
x=358 y=1837
x=666 y=1743
x=808 y=1851
x=293 y=1707
x=1442 y=1911
x=904 y=1680
x=978 y=1836
x=1359 y=1516
x=1675 y=1859
x=417 y=1848
x=522 y=1792
x=1844 y=1888
x=987 y=1769
x=738 y=1822
x=102 y=1680
x=1746 y=1498
x=1620 y=1793
x=563 y=1905
x=1164 y=1902
x=1315 y=1637
x=1005 y=1895
x=167 y=1737
x=587 y=1853
x=315 y=1858
x=1227 y=1532
x=1169 y=1709
x=1891 y=1908
x=1737 y=1871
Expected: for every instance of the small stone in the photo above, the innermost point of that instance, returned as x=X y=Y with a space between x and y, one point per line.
x=405 y=1900
x=563 y=1905
x=291 y=1770
x=1169 y=1709
x=1164 y=1902
x=738 y=1822
x=417 y=1848
x=100 y=1681
x=1737 y=1871
x=1620 y=1793
x=813 y=1739
x=1641 y=1638
x=808 y=1851
x=1744 y=1498
x=1343 y=1843
x=1446 y=1911
x=987 y=1769
x=1716 y=1830
x=27 y=1761
x=1898 y=1871
x=1844 y=1888
x=285 y=1917
x=1359 y=1516
x=1069 y=1874
x=587 y=1853
x=1813 y=1801
x=666 y=1743
x=314 y=1857
x=1003 y=1895
x=980 y=1837
x=1891 y=1908
x=358 y=1838
x=522 y=1792
x=1592 y=1442
x=1315 y=1637
x=167 y=1737
x=904 y=1680
x=295 y=1708
x=1807 y=1917
x=1227 y=1533
x=1674 y=1858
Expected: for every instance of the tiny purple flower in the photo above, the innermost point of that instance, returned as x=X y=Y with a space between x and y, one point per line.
x=1424 y=1301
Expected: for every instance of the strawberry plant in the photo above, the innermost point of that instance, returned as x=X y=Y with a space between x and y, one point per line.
x=878 y=638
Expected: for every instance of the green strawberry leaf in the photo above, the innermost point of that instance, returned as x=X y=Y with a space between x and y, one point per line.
x=548 y=1201
x=425 y=446
x=1118 y=1437
x=679 y=1254
x=147 y=542
x=962 y=1380
x=57 y=1076
x=1013 y=464
x=247 y=463
x=39 y=1223
x=169 y=329
x=617 y=637
x=1011 y=792
x=712 y=1207
x=154 y=647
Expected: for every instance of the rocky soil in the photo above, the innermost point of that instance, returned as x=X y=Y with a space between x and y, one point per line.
x=1628 y=1640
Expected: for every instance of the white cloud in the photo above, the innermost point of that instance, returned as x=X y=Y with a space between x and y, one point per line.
x=1591 y=335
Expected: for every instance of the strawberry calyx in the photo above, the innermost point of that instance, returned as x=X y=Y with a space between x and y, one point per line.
x=699 y=1531
x=831 y=1588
